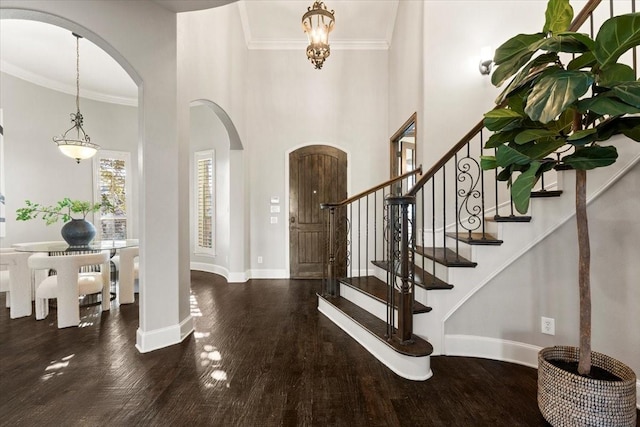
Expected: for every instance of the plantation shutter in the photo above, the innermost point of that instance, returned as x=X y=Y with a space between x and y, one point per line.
x=204 y=202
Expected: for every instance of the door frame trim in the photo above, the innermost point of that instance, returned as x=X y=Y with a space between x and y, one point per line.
x=287 y=236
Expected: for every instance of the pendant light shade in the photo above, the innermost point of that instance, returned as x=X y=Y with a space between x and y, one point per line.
x=75 y=143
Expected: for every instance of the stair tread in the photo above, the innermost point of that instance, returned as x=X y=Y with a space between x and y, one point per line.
x=377 y=289
x=476 y=238
x=423 y=278
x=445 y=256
x=546 y=193
x=418 y=348
x=509 y=218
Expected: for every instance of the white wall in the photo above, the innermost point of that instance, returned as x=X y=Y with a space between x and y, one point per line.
x=544 y=282
x=212 y=67
x=456 y=95
x=34 y=167
x=406 y=91
x=291 y=104
x=278 y=101
x=141 y=36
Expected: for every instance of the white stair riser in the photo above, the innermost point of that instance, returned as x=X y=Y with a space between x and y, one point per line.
x=372 y=305
x=409 y=367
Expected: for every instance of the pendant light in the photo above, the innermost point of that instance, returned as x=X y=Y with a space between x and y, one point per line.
x=75 y=143
x=317 y=23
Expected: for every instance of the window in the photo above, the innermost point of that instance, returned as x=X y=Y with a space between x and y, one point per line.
x=113 y=184
x=204 y=202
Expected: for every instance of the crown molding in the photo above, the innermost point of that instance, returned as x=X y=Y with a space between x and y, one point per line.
x=302 y=45
x=244 y=21
x=39 y=80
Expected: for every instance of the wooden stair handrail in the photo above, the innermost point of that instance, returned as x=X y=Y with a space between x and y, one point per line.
x=580 y=19
x=586 y=11
x=365 y=193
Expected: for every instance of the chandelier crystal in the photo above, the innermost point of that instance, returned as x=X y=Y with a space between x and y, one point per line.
x=75 y=143
x=317 y=23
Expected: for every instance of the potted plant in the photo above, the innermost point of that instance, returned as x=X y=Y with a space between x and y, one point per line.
x=77 y=231
x=551 y=103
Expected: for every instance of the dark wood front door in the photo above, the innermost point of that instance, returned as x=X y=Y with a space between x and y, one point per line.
x=317 y=174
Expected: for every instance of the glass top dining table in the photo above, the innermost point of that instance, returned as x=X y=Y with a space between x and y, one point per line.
x=62 y=246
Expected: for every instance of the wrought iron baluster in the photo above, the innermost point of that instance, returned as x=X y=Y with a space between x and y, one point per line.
x=375 y=225
x=457 y=192
x=433 y=227
x=350 y=231
x=366 y=238
x=359 y=241
x=469 y=172
x=495 y=177
x=482 y=191
x=635 y=49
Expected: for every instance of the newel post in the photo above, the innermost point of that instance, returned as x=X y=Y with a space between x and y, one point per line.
x=401 y=267
x=331 y=287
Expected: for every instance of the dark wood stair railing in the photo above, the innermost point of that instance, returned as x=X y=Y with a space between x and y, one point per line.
x=339 y=222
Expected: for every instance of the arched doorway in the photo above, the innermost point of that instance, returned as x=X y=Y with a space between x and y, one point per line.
x=222 y=136
x=214 y=139
x=145 y=48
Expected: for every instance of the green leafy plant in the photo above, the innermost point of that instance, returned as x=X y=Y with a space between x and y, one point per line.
x=64 y=210
x=549 y=104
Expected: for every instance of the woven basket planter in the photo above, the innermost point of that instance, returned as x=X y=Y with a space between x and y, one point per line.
x=568 y=399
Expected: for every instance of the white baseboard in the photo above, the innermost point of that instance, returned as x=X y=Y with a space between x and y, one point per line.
x=409 y=367
x=498 y=349
x=209 y=268
x=232 y=277
x=492 y=348
x=186 y=327
x=147 y=341
x=268 y=274
x=237 y=277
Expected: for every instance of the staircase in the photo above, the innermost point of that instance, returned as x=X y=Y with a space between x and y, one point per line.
x=402 y=259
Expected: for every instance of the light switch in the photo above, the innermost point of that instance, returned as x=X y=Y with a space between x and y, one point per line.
x=275 y=209
x=274 y=220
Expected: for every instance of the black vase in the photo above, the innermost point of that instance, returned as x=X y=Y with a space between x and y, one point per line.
x=78 y=232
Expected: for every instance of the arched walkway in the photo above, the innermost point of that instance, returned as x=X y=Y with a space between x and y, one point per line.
x=141 y=37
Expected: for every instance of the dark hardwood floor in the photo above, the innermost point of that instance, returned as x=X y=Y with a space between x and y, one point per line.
x=262 y=355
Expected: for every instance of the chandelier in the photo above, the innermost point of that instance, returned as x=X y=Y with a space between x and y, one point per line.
x=75 y=143
x=317 y=23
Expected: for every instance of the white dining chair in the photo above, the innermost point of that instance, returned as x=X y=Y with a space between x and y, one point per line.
x=16 y=281
x=127 y=274
x=68 y=284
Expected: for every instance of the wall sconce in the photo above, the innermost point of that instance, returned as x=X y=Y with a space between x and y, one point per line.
x=317 y=23
x=486 y=60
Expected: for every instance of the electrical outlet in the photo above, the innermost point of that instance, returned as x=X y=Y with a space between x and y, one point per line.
x=259 y=260
x=548 y=326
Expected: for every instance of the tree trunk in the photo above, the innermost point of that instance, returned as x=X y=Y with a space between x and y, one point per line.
x=584 y=260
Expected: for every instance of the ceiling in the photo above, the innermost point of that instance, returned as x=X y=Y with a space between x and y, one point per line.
x=46 y=55
x=191 y=5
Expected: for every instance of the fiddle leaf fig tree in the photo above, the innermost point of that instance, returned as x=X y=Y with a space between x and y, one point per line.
x=565 y=90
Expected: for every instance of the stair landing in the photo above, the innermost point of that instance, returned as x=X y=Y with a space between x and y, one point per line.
x=411 y=361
